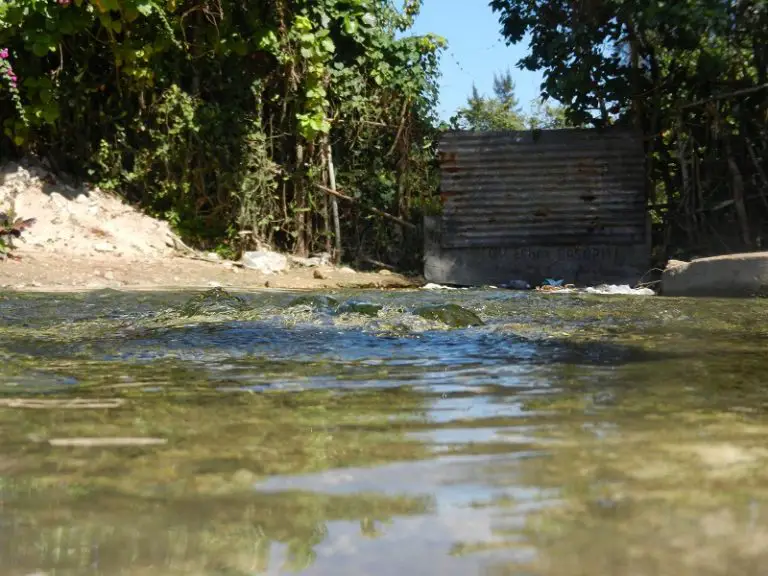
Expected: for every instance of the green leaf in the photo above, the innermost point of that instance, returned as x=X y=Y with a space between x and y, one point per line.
x=350 y=25
x=39 y=50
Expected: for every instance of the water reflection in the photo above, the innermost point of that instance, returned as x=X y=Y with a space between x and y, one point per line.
x=569 y=435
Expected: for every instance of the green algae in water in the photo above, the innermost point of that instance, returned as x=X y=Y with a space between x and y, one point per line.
x=316 y=302
x=213 y=302
x=633 y=434
x=452 y=315
x=355 y=307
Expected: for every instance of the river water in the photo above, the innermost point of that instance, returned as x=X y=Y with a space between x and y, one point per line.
x=164 y=434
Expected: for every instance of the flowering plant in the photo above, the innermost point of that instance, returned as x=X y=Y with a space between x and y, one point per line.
x=10 y=80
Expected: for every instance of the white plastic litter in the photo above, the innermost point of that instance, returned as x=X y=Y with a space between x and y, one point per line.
x=624 y=289
x=433 y=286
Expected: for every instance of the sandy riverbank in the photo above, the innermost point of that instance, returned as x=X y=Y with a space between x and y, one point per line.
x=85 y=238
x=45 y=271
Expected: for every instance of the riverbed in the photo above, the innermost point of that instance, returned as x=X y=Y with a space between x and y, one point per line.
x=350 y=433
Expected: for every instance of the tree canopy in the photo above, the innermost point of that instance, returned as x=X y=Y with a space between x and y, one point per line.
x=498 y=112
x=692 y=76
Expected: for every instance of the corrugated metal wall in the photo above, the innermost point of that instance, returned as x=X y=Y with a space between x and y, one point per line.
x=512 y=189
x=551 y=188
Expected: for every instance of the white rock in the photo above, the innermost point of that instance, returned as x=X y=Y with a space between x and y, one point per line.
x=265 y=261
x=103 y=247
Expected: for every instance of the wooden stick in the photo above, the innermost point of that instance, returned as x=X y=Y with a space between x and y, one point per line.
x=370 y=209
x=334 y=203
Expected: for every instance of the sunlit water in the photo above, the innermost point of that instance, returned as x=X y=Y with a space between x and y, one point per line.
x=569 y=435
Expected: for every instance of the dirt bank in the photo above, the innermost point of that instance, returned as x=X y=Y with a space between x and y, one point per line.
x=85 y=238
x=45 y=271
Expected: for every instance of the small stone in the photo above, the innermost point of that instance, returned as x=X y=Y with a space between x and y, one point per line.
x=266 y=284
x=346 y=270
x=97 y=272
x=109 y=275
x=36 y=284
x=104 y=247
x=319 y=275
x=214 y=284
x=385 y=272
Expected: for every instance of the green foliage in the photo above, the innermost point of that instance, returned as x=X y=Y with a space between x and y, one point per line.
x=547 y=116
x=500 y=112
x=216 y=116
x=692 y=76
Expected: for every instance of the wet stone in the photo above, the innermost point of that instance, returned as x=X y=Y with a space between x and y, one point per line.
x=364 y=308
x=452 y=315
x=316 y=302
x=214 y=301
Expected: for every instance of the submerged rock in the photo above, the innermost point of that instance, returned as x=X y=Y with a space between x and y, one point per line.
x=451 y=314
x=364 y=308
x=214 y=301
x=316 y=302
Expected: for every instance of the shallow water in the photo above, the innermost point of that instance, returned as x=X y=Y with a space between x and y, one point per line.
x=568 y=435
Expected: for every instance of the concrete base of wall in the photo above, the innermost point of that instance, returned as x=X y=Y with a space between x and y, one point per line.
x=730 y=276
x=587 y=265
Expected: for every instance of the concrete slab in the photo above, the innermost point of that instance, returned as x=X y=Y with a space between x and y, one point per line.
x=729 y=276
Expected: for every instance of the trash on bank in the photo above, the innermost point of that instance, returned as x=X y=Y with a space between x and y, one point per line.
x=557 y=288
x=624 y=289
x=603 y=289
x=432 y=286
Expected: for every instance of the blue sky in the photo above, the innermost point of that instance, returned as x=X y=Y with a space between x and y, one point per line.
x=475 y=51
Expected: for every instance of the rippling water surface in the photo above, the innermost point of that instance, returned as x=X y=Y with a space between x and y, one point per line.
x=567 y=435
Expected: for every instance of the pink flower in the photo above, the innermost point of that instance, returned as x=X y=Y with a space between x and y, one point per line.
x=3 y=53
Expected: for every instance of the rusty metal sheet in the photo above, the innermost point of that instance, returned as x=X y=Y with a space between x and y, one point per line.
x=546 y=191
